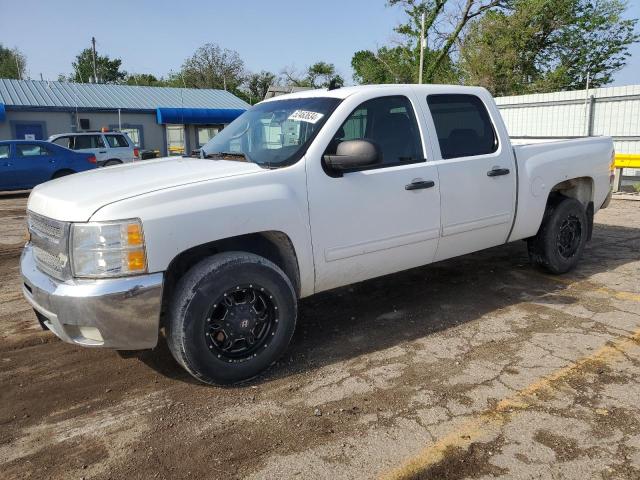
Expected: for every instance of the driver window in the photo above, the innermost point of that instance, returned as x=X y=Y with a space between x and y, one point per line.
x=388 y=122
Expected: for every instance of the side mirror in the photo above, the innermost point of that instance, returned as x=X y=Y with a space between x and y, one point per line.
x=353 y=155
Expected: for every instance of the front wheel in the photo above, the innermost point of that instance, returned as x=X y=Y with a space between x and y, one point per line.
x=231 y=316
x=559 y=244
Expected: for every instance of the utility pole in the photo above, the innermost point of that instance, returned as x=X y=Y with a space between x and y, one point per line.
x=422 y=45
x=95 y=68
x=18 y=67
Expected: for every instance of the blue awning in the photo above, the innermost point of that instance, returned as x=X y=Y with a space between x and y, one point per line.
x=197 y=116
x=2 y=112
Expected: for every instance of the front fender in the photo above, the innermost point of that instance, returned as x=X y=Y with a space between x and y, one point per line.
x=179 y=218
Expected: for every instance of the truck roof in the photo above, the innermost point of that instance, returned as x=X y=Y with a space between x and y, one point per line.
x=344 y=92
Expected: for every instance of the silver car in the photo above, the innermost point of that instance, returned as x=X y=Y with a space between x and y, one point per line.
x=109 y=148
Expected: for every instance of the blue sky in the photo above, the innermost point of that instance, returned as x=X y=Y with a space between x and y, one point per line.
x=156 y=36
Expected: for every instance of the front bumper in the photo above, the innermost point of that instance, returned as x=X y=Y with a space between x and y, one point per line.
x=121 y=313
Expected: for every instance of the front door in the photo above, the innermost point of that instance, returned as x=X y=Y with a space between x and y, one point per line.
x=373 y=222
x=477 y=175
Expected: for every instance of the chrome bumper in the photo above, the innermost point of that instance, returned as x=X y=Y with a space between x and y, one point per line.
x=121 y=313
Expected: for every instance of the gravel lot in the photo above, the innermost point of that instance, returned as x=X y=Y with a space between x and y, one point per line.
x=477 y=367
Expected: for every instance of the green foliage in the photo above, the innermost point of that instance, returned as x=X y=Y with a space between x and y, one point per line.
x=13 y=63
x=399 y=65
x=145 y=80
x=212 y=67
x=543 y=45
x=258 y=84
x=317 y=75
x=108 y=69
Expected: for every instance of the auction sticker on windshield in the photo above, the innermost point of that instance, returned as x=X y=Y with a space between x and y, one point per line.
x=306 y=116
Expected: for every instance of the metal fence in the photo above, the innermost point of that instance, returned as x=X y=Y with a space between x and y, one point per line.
x=611 y=111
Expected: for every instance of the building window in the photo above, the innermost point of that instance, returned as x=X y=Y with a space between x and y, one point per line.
x=204 y=134
x=134 y=132
x=175 y=140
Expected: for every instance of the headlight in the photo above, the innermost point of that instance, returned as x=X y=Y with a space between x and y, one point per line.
x=108 y=249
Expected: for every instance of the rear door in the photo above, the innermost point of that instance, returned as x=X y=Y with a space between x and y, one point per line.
x=476 y=171
x=119 y=147
x=91 y=144
x=33 y=164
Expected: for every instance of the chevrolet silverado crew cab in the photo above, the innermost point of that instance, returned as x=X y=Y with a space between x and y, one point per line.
x=302 y=193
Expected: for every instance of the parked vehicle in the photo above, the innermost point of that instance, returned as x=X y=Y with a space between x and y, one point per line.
x=110 y=148
x=27 y=163
x=302 y=193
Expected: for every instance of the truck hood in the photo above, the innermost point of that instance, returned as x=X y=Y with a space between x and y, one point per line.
x=75 y=198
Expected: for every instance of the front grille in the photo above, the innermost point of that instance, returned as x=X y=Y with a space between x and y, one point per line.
x=49 y=263
x=52 y=230
x=50 y=239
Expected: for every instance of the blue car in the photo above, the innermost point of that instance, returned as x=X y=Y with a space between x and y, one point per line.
x=27 y=163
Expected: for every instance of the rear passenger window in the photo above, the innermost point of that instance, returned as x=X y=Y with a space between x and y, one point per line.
x=463 y=125
x=63 y=142
x=116 y=141
x=88 y=141
x=387 y=121
x=27 y=150
x=4 y=151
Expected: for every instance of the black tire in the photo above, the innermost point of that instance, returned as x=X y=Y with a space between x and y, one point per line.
x=191 y=335
x=62 y=173
x=110 y=163
x=560 y=242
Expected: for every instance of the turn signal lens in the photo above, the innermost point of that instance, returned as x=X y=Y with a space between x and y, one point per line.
x=137 y=260
x=134 y=234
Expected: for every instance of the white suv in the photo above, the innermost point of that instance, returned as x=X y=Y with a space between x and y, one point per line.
x=110 y=148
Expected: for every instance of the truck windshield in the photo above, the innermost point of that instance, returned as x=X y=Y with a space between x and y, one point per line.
x=272 y=134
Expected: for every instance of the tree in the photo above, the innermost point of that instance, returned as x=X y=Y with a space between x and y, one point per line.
x=595 y=42
x=145 y=80
x=258 y=84
x=317 y=75
x=386 y=65
x=542 y=46
x=213 y=67
x=108 y=69
x=445 y=21
x=13 y=63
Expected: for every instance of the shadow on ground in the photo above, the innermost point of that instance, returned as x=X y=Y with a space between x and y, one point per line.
x=378 y=314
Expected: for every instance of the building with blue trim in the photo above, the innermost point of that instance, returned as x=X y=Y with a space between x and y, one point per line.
x=170 y=120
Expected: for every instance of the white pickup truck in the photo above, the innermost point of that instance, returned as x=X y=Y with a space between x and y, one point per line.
x=302 y=193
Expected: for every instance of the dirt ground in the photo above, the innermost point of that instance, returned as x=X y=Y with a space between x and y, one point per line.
x=478 y=367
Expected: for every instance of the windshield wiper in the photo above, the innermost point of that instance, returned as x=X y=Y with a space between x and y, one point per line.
x=223 y=155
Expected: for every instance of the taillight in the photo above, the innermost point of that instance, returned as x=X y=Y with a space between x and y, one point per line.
x=136 y=152
x=612 y=168
x=92 y=159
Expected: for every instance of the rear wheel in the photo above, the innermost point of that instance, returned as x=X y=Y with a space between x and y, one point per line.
x=559 y=244
x=231 y=316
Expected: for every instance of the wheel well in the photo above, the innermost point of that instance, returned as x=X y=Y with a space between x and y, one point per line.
x=113 y=160
x=62 y=172
x=272 y=245
x=581 y=189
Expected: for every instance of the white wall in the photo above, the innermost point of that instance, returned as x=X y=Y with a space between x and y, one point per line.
x=611 y=111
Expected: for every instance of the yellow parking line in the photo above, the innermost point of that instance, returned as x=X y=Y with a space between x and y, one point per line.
x=491 y=420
